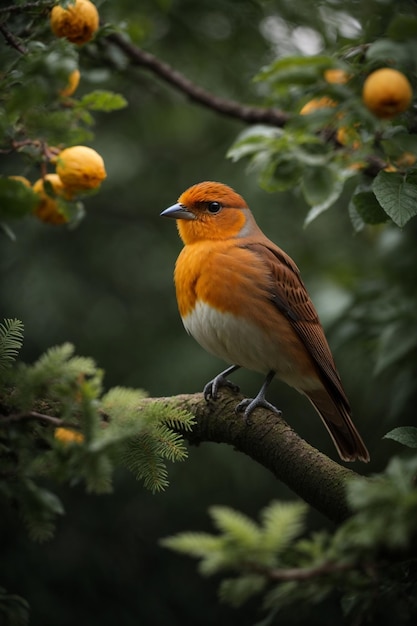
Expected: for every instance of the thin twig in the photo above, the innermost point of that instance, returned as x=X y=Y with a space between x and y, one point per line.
x=11 y=40
x=303 y=573
x=33 y=415
x=21 y=8
x=231 y=108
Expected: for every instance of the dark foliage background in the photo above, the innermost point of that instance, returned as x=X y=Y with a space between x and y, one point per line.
x=107 y=287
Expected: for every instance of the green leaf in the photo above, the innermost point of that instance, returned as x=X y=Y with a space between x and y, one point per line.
x=236 y=591
x=402 y=27
x=236 y=525
x=406 y=435
x=255 y=139
x=16 y=199
x=333 y=196
x=369 y=208
x=357 y=222
x=279 y=174
x=11 y=339
x=40 y=507
x=196 y=544
x=397 y=194
x=13 y=609
x=399 y=143
x=295 y=70
x=396 y=341
x=101 y=100
x=384 y=49
x=282 y=523
x=141 y=455
x=317 y=184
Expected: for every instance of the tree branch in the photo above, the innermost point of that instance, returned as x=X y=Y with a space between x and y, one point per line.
x=22 y=8
x=230 y=108
x=266 y=438
x=301 y=574
x=32 y=415
x=270 y=441
x=11 y=40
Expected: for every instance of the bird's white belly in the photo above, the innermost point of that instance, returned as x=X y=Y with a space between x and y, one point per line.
x=234 y=339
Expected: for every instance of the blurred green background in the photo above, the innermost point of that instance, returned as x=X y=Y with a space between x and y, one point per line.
x=107 y=287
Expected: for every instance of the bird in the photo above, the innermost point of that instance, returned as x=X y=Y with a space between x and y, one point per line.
x=242 y=298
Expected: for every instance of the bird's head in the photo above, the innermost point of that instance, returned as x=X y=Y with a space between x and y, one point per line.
x=211 y=211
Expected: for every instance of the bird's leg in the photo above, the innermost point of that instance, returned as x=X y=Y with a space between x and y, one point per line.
x=248 y=405
x=212 y=387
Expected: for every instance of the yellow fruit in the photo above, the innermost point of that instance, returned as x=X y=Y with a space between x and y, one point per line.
x=80 y=168
x=317 y=103
x=406 y=159
x=73 y=81
x=67 y=435
x=336 y=76
x=48 y=209
x=77 y=23
x=21 y=179
x=387 y=92
x=348 y=137
x=357 y=166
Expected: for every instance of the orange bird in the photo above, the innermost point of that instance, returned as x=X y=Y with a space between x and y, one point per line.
x=242 y=298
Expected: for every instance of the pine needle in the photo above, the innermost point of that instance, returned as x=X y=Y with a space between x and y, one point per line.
x=11 y=339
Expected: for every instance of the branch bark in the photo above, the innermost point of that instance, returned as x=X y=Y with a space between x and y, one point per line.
x=270 y=441
x=266 y=438
x=230 y=108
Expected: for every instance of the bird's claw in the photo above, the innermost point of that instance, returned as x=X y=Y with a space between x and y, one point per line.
x=248 y=405
x=210 y=391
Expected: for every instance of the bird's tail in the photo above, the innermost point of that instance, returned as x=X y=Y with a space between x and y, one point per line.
x=336 y=418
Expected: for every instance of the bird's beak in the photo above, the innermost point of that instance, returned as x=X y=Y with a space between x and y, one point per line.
x=178 y=212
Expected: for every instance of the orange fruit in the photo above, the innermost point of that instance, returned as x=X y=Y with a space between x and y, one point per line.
x=77 y=23
x=21 y=179
x=72 y=84
x=348 y=136
x=406 y=159
x=336 y=76
x=48 y=208
x=67 y=435
x=317 y=103
x=390 y=168
x=80 y=168
x=387 y=92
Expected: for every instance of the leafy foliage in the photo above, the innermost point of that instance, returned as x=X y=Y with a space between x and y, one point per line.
x=338 y=139
x=14 y=610
x=11 y=338
x=96 y=433
x=36 y=120
x=271 y=558
x=58 y=424
x=406 y=435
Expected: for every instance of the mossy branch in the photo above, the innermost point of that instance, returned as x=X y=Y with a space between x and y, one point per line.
x=270 y=441
x=266 y=438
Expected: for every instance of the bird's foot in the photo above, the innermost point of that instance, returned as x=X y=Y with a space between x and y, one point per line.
x=211 y=389
x=248 y=405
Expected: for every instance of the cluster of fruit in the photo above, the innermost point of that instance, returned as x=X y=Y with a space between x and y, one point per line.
x=78 y=169
x=386 y=93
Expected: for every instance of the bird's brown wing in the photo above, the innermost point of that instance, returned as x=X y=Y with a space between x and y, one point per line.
x=291 y=298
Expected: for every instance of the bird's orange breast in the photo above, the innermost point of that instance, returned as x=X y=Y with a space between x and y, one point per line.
x=222 y=274
x=224 y=298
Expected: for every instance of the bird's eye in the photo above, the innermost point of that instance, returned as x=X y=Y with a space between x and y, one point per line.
x=214 y=207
